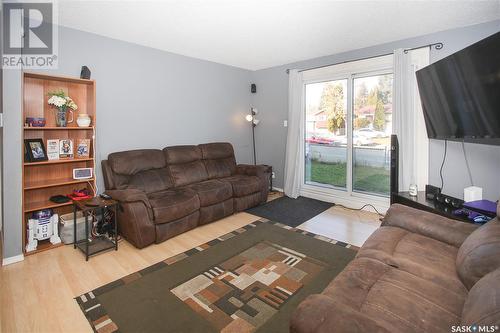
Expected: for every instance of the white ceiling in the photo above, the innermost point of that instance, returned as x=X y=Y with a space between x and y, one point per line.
x=256 y=34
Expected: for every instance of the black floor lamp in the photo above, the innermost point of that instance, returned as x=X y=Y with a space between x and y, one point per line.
x=254 y=122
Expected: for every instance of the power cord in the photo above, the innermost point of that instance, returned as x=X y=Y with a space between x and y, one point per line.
x=442 y=164
x=467 y=163
x=360 y=209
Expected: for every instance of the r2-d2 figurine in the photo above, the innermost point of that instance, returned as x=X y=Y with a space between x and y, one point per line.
x=43 y=224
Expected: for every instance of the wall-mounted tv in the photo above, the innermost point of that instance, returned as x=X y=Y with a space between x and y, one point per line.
x=460 y=94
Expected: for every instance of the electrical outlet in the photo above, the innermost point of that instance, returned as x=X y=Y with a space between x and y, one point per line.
x=1 y=119
x=273 y=175
x=285 y=123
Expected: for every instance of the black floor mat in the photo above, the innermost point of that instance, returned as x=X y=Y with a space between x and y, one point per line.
x=292 y=212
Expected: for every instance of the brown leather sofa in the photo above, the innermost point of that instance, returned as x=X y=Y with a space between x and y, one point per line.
x=163 y=193
x=419 y=272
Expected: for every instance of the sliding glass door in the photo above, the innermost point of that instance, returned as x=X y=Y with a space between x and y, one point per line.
x=372 y=128
x=326 y=133
x=347 y=128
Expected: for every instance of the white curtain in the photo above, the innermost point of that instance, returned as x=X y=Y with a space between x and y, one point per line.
x=408 y=119
x=293 y=165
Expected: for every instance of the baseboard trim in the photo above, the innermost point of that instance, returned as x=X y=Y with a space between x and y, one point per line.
x=12 y=260
x=278 y=189
x=351 y=202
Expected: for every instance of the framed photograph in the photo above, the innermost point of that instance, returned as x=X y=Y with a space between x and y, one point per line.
x=83 y=148
x=53 y=149
x=65 y=148
x=35 y=150
x=26 y=156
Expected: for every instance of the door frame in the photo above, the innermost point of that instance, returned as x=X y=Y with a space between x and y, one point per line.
x=344 y=71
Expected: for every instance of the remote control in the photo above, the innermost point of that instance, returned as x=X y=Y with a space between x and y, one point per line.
x=105 y=196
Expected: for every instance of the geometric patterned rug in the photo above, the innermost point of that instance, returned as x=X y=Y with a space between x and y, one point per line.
x=245 y=281
x=243 y=292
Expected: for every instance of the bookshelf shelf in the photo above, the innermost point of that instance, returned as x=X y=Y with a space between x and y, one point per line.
x=68 y=160
x=54 y=182
x=39 y=205
x=41 y=180
x=44 y=246
x=53 y=128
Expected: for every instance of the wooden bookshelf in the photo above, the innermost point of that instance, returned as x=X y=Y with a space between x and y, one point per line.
x=41 y=180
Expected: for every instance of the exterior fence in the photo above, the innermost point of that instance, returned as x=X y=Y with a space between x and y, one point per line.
x=378 y=156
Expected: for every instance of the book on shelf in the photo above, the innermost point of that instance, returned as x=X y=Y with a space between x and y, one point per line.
x=83 y=148
x=53 y=149
x=66 y=148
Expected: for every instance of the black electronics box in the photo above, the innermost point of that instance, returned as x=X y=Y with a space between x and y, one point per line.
x=431 y=192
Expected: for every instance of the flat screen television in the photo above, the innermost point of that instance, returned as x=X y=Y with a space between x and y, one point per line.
x=460 y=94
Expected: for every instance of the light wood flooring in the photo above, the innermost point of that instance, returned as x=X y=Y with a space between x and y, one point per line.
x=36 y=295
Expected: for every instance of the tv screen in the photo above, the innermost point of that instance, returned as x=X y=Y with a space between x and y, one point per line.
x=460 y=94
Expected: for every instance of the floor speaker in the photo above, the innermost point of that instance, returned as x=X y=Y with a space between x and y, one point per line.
x=394 y=166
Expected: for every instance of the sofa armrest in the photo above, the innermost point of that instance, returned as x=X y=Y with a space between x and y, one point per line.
x=134 y=216
x=129 y=195
x=427 y=224
x=262 y=172
x=322 y=314
x=253 y=170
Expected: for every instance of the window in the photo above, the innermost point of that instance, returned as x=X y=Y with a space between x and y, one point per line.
x=347 y=127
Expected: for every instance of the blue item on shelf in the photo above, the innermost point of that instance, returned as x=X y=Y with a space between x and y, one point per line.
x=486 y=207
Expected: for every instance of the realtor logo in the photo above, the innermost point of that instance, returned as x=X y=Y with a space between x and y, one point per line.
x=29 y=35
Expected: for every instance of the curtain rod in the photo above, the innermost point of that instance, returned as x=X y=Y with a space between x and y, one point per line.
x=437 y=46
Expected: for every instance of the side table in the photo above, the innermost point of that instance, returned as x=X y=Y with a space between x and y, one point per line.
x=421 y=202
x=101 y=243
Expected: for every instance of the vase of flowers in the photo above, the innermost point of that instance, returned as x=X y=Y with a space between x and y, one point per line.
x=63 y=104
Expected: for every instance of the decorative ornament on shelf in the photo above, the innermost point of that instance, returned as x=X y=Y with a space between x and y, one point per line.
x=83 y=120
x=413 y=190
x=63 y=104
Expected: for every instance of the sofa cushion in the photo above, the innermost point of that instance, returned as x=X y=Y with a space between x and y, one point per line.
x=220 y=168
x=427 y=224
x=243 y=185
x=248 y=201
x=419 y=255
x=216 y=211
x=322 y=314
x=482 y=306
x=173 y=204
x=185 y=165
x=153 y=180
x=216 y=150
x=218 y=159
x=395 y=298
x=133 y=161
x=171 y=229
x=182 y=154
x=480 y=253
x=189 y=173
x=212 y=191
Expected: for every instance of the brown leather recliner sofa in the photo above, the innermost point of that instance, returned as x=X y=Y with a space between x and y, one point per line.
x=163 y=193
x=419 y=272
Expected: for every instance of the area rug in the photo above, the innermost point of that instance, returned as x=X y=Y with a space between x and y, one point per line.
x=249 y=280
x=291 y=212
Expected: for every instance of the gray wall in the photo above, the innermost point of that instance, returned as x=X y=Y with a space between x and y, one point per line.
x=271 y=100
x=146 y=98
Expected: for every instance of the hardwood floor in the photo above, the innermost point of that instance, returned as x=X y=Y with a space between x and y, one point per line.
x=346 y=225
x=37 y=293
